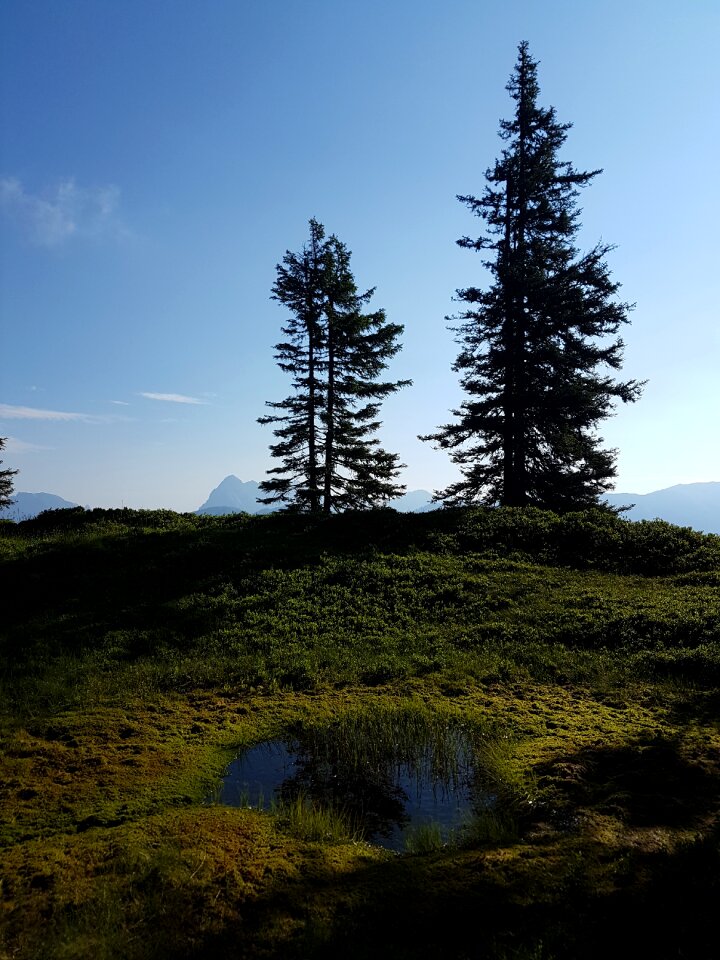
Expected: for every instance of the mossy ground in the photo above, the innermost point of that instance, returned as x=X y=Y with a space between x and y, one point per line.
x=109 y=850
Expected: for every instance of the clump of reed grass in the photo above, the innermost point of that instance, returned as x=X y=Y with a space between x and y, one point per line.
x=305 y=819
x=499 y=771
x=425 y=838
x=382 y=739
x=488 y=826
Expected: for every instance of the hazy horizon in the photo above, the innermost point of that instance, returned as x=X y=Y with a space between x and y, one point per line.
x=204 y=497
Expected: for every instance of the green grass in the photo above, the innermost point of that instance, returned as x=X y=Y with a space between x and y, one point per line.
x=305 y=819
x=288 y=602
x=578 y=655
x=425 y=838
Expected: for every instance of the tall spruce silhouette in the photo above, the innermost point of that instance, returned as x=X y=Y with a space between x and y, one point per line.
x=6 y=481
x=335 y=352
x=535 y=360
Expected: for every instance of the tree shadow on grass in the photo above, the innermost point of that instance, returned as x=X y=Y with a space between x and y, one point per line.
x=87 y=580
x=643 y=784
x=697 y=704
x=549 y=903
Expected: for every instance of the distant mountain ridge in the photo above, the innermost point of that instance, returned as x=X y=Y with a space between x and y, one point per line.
x=28 y=505
x=415 y=501
x=686 y=504
x=694 y=505
x=237 y=496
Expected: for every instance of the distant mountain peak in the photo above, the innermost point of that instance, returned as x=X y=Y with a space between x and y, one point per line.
x=233 y=495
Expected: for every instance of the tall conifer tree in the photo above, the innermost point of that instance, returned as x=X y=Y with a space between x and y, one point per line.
x=534 y=358
x=299 y=286
x=336 y=352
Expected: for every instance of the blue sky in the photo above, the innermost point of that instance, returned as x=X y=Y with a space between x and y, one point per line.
x=159 y=156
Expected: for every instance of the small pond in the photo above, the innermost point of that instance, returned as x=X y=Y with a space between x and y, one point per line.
x=391 y=775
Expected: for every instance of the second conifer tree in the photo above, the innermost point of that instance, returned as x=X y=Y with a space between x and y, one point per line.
x=335 y=351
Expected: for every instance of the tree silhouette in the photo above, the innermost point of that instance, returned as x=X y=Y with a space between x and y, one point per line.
x=6 y=483
x=299 y=286
x=534 y=360
x=335 y=352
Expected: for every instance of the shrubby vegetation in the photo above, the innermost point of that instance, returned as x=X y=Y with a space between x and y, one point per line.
x=298 y=601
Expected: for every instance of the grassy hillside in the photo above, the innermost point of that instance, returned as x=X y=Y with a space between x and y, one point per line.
x=140 y=650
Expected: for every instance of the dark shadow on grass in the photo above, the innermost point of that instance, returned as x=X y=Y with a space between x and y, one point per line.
x=547 y=904
x=68 y=590
x=642 y=784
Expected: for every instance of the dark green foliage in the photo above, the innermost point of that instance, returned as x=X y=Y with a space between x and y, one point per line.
x=297 y=600
x=335 y=352
x=533 y=362
x=6 y=482
x=76 y=519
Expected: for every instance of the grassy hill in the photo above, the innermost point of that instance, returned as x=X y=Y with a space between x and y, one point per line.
x=140 y=650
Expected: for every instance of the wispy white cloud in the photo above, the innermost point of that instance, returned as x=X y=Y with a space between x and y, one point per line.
x=121 y=403
x=14 y=445
x=172 y=397
x=65 y=212
x=10 y=412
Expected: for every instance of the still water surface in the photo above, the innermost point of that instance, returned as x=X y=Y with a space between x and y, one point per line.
x=387 y=800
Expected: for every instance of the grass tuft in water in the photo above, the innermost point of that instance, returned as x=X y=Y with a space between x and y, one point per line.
x=380 y=739
x=489 y=827
x=425 y=838
x=306 y=820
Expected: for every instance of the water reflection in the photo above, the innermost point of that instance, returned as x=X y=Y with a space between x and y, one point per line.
x=387 y=785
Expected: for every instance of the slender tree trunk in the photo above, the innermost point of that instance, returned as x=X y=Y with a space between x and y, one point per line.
x=314 y=492
x=312 y=443
x=508 y=402
x=330 y=412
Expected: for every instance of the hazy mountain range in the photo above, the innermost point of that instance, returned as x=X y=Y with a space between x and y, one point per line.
x=687 y=504
x=31 y=504
x=234 y=495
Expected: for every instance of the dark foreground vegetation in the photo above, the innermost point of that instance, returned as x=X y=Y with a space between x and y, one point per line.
x=140 y=650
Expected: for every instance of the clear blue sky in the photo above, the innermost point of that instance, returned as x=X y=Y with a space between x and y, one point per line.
x=159 y=156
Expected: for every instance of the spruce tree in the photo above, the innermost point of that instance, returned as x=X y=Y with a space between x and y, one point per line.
x=358 y=471
x=335 y=352
x=535 y=361
x=6 y=482
x=299 y=286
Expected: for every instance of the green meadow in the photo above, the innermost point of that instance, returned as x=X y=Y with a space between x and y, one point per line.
x=140 y=651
